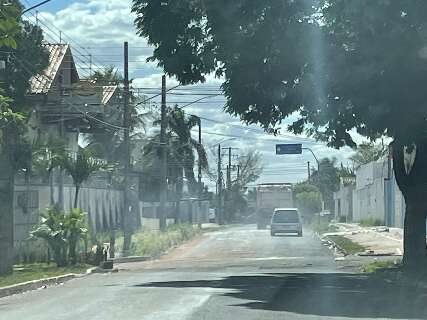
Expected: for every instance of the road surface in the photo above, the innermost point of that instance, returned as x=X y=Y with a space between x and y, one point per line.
x=237 y=273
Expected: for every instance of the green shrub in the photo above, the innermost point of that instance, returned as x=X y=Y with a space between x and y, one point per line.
x=371 y=222
x=62 y=232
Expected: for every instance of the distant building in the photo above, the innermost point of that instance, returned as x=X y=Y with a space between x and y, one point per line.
x=374 y=195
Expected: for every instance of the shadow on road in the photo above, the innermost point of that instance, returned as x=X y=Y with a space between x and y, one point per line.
x=332 y=294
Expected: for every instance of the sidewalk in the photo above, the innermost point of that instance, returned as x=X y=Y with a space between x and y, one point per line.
x=378 y=241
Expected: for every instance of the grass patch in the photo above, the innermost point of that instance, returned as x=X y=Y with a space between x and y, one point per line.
x=371 y=222
x=29 y=272
x=153 y=243
x=346 y=244
x=323 y=227
x=378 y=266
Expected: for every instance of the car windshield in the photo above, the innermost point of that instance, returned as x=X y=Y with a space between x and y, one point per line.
x=286 y=216
x=213 y=159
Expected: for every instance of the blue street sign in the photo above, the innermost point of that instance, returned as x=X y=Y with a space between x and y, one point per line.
x=289 y=148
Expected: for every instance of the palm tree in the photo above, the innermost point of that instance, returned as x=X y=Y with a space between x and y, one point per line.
x=80 y=168
x=181 y=149
x=108 y=143
x=47 y=156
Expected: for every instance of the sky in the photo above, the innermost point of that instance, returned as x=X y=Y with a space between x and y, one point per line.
x=96 y=30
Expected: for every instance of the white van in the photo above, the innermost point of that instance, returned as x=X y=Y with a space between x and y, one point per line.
x=286 y=220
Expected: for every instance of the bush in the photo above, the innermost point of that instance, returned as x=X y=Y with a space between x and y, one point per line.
x=62 y=232
x=371 y=222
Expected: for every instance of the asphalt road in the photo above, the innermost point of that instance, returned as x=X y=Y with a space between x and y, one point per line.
x=237 y=273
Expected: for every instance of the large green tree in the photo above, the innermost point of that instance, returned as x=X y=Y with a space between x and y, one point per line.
x=327 y=180
x=308 y=199
x=21 y=48
x=338 y=65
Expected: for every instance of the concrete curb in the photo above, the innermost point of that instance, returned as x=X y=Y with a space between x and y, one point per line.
x=40 y=283
x=131 y=259
x=34 y=285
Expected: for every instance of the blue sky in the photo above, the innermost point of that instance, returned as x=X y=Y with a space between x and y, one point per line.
x=98 y=28
x=52 y=6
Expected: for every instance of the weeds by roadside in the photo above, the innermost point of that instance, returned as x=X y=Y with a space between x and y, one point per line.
x=323 y=227
x=153 y=243
x=29 y=272
x=347 y=245
x=378 y=266
x=371 y=222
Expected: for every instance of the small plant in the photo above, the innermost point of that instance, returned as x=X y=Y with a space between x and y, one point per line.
x=75 y=231
x=53 y=230
x=62 y=232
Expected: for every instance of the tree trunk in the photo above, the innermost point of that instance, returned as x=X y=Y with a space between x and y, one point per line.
x=52 y=199
x=6 y=213
x=76 y=196
x=412 y=181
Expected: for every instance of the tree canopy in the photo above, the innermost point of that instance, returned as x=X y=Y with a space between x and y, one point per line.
x=282 y=57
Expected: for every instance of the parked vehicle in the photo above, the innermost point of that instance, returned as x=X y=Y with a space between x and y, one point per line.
x=286 y=220
x=269 y=197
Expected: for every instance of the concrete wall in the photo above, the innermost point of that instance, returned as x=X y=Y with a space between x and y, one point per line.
x=375 y=195
x=343 y=199
x=191 y=210
x=102 y=205
x=368 y=196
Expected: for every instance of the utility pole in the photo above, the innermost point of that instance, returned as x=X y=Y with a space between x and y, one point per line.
x=308 y=171
x=63 y=138
x=199 y=174
x=219 y=212
x=163 y=164
x=126 y=125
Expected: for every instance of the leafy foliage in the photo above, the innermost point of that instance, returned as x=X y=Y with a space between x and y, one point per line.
x=62 y=232
x=80 y=167
x=367 y=152
x=52 y=229
x=327 y=180
x=9 y=27
x=308 y=199
x=344 y=73
x=181 y=151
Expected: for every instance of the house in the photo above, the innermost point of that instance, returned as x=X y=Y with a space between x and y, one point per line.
x=64 y=105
